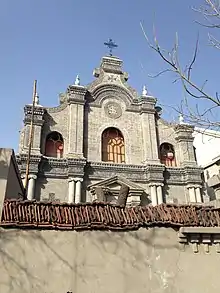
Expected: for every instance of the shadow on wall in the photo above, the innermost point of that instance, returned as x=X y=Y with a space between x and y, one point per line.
x=11 y=185
x=48 y=123
x=65 y=254
x=44 y=167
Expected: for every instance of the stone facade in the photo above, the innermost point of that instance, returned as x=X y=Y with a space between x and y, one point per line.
x=82 y=116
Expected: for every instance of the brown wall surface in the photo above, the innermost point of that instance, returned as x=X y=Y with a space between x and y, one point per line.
x=148 y=261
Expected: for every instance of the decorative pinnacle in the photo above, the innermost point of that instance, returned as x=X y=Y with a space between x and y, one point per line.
x=181 y=119
x=36 y=100
x=144 y=91
x=77 y=80
x=111 y=45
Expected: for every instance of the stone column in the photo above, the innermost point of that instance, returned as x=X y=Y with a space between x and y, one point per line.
x=71 y=192
x=198 y=195
x=78 y=190
x=153 y=195
x=31 y=186
x=192 y=195
x=159 y=194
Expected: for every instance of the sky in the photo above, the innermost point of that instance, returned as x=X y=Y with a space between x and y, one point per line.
x=53 y=41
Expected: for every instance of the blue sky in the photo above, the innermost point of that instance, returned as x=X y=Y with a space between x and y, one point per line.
x=54 y=40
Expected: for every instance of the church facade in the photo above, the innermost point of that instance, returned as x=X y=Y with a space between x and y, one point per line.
x=106 y=135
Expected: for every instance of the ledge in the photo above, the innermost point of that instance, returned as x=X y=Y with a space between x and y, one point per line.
x=200 y=238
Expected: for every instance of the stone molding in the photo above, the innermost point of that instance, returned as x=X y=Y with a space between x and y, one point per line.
x=184 y=132
x=34 y=162
x=32 y=176
x=57 y=109
x=38 y=115
x=185 y=175
x=147 y=173
x=200 y=238
x=54 y=167
x=76 y=94
x=106 y=90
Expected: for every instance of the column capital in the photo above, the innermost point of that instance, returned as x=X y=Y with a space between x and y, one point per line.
x=78 y=179
x=193 y=186
x=156 y=184
x=32 y=176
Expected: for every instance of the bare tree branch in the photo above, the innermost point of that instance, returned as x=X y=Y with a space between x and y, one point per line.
x=202 y=114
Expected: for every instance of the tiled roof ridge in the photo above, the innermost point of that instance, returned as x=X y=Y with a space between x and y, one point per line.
x=99 y=215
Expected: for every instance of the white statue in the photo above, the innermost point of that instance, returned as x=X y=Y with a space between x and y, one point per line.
x=144 y=91
x=77 y=80
x=181 y=119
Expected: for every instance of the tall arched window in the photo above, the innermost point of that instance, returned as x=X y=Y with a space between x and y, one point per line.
x=54 y=145
x=167 y=155
x=113 y=147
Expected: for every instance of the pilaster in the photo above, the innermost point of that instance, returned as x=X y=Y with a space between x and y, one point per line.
x=76 y=101
x=38 y=122
x=184 y=140
x=150 y=147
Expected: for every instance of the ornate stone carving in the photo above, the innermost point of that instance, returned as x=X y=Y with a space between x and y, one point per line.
x=113 y=110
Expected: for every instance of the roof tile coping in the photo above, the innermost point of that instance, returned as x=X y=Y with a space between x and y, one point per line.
x=99 y=215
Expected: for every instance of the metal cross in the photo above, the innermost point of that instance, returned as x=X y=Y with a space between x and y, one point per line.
x=111 y=45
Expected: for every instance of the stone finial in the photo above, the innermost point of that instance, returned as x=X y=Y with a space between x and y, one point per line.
x=144 y=91
x=181 y=119
x=77 y=80
x=37 y=101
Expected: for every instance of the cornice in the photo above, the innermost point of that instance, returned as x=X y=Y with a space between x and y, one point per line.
x=76 y=94
x=37 y=110
x=200 y=238
x=110 y=166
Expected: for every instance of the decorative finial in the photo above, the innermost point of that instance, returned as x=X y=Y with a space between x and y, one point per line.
x=111 y=45
x=144 y=91
x=77 y=80
x=36 y=100
x=181 y=119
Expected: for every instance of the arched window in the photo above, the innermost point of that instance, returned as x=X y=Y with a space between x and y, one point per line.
x=113 y=147
x=167 y=155
x=54 y=145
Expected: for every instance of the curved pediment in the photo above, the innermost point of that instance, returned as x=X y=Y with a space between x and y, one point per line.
x=111 y=81
x=105 y=91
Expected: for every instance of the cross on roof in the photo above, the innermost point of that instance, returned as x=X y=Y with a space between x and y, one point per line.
x=111 y=45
